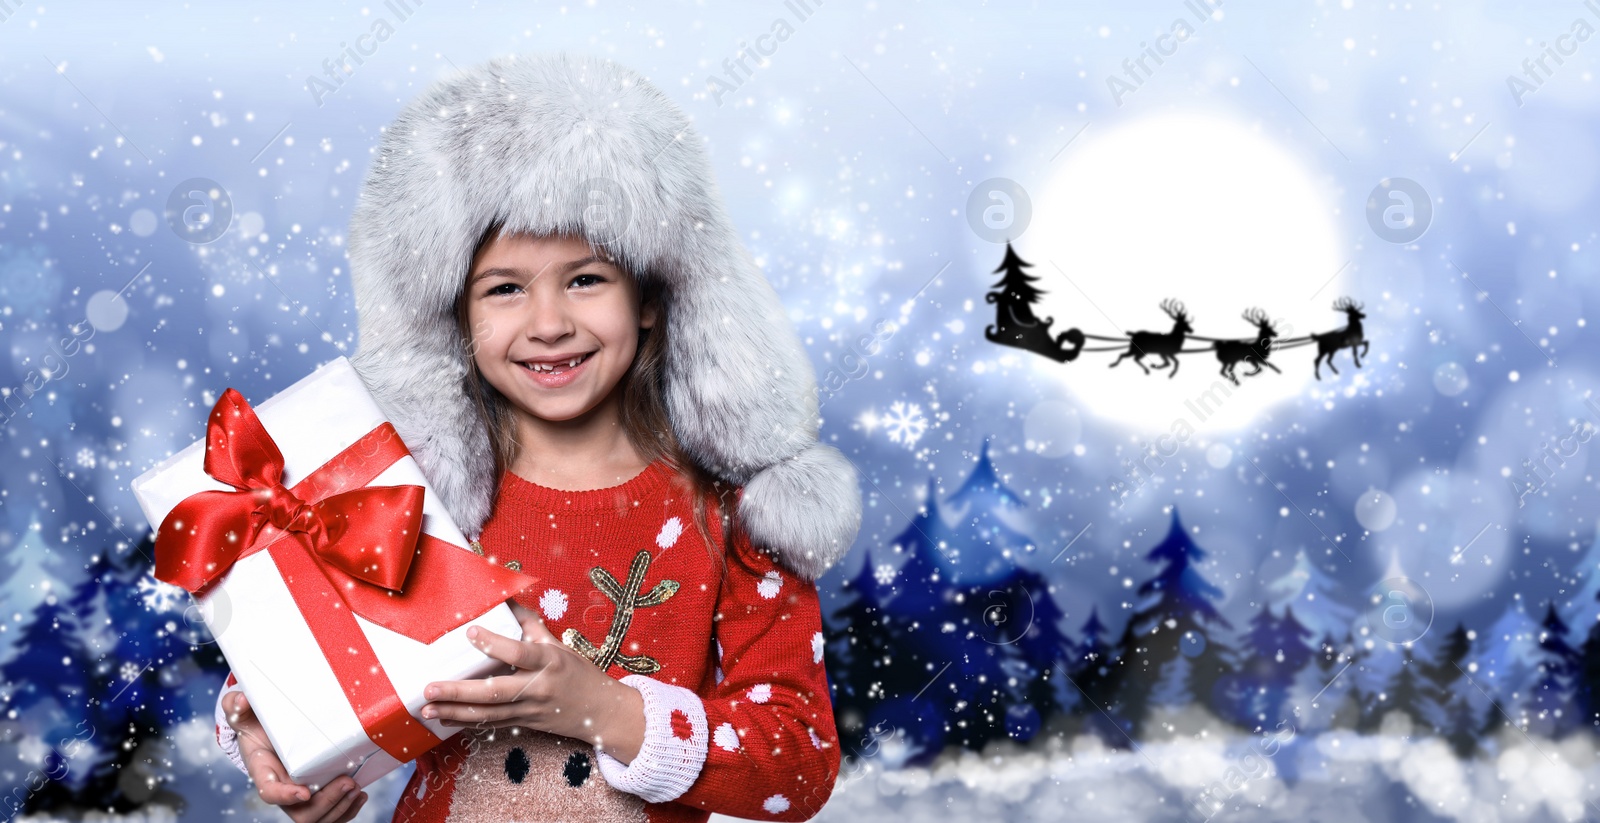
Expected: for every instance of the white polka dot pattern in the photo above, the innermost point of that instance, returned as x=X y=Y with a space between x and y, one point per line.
x=553 y=603
x=726 y=738
x=669 y=532
x=769 y=584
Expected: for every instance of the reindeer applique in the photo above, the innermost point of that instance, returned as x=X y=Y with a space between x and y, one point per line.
x=627 y=598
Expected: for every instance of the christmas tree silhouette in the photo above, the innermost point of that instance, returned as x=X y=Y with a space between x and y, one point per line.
x=1015 y=323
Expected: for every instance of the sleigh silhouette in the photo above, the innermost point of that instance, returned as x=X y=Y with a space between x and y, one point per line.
x=1031 y=334
x=1016 y=326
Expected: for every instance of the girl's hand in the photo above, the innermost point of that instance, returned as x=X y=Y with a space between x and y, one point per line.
x=336 y=802
x=554 y=689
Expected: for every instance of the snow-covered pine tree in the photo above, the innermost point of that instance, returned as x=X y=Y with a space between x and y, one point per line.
x=1091 y=677
x=1441 y=678
x=988 y=546
x=1320 y=687
x=47 y=664
x=1507 y=664
x=131 y=704
x=1042 y=651
x=1274 y=651
x=947 y=682
x=1407 y=691
x=1586 y=690
x=1377 y=666
x=1015 y=605
x=1315 y=597
x=28 y=575
x=1339 y=698
x=1552 y=710
x=857 y=654
x=1179 y=618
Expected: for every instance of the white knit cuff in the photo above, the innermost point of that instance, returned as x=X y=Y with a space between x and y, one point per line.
x=675 y=743
x=227 y=738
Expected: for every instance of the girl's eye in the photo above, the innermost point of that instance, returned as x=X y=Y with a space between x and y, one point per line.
x=499 y=289
x=597 y=279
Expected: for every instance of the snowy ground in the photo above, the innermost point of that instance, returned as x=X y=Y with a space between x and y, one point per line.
x=1342 y=776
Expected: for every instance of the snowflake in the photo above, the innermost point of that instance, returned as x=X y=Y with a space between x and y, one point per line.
x=131 y=671
x=86 y=458
x=905 y=423
x=884 y=573
x=160 y=596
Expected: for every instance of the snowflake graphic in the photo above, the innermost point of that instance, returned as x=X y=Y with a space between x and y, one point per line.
x=160 y=596
x=905 y=423
x=130 y=671
x=86 y=458
x=884 y=574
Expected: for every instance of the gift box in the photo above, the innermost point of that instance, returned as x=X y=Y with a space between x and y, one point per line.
x=328 y=571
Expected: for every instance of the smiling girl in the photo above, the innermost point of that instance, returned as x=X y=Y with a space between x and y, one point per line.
x=560 y=321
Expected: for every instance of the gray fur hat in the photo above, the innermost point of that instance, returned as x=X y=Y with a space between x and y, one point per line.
x=564 y=143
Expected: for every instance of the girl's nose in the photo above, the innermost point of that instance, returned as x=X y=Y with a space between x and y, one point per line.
x=547 y=318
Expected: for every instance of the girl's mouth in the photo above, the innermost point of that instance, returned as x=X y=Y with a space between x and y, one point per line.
x=555 y=375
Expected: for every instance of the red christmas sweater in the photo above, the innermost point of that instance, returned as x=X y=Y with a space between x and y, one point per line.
x=738 y=718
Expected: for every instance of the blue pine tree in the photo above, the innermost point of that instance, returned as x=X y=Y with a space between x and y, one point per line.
x=1315 y=597
x=857 y=655
x=1090 y=668
x=1274 y=652
x=1553 y=711
x=1508 y=664
x=28 y=574
x=1408 y=692
x=1586 y=690
x=47 y=664
x=928 y=690
x=989 y=546
x=1179 y=618
x=1046 y=652
x=1444 y=678
x=128 y=666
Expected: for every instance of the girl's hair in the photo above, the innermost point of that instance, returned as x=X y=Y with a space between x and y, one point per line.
x=644 y=411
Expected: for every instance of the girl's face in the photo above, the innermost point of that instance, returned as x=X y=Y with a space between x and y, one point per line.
x=537 y=303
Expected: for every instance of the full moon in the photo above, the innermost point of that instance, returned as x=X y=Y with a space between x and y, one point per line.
x=1202 y=211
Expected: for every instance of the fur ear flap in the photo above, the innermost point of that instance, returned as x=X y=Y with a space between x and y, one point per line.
x=805 y=510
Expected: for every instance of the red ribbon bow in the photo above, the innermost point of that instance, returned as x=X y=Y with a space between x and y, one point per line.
x=332 y=537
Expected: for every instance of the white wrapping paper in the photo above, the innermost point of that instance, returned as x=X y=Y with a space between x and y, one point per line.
x=262 y=633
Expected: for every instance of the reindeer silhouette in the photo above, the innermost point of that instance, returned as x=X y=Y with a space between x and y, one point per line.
x=1165 y=344
x=1351 y=337
x=1231 y=352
